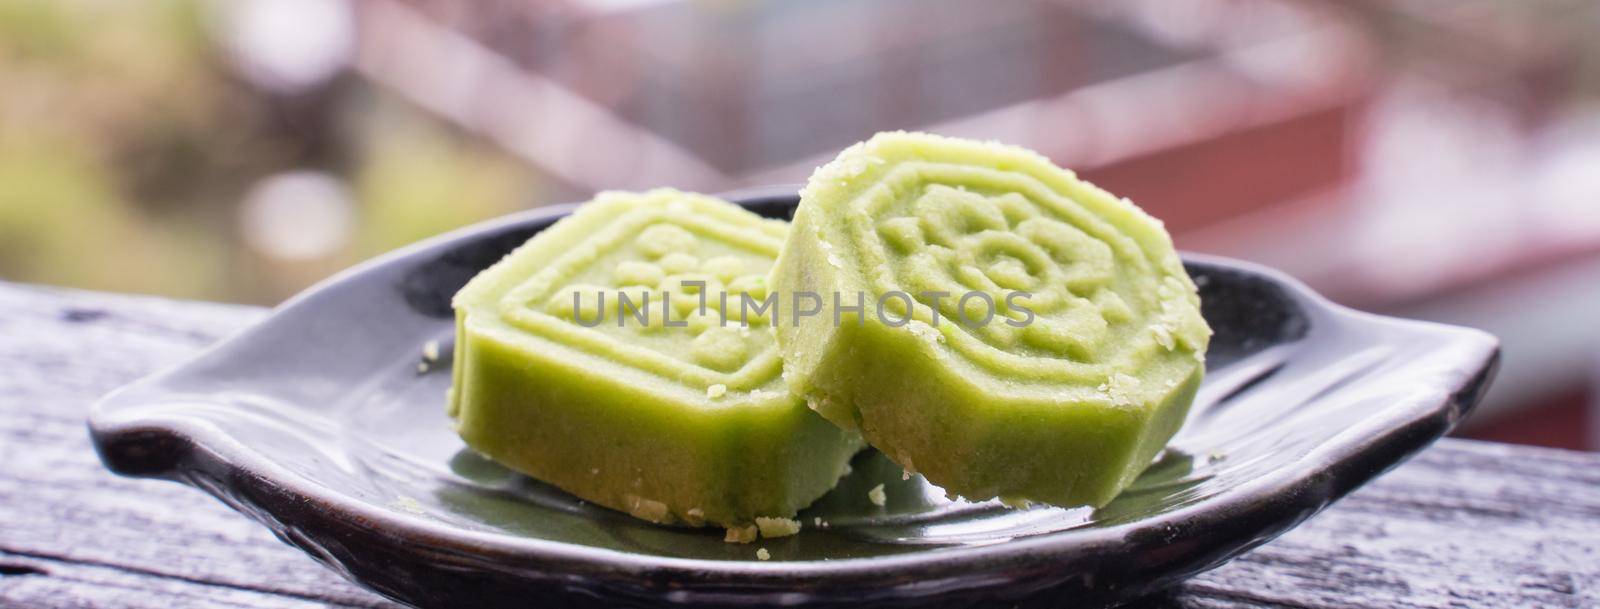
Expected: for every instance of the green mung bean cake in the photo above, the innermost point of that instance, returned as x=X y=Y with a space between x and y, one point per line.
x=1020 y=333
x=587 y=359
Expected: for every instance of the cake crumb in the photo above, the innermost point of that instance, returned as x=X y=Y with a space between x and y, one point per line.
x=695 y=516
x=744 y=534
x=716 y=391
x=763 y=554
x=647 y=509
x=1121 y=388
x=430 y=351
x=1217 y=456
x=924 y=331
x=777 y=527
x=1015 y=503
x=422 y=367
x=905 y=474
x=877 y=496
x=408 y=505
x=1163 y=336
x=817 y=522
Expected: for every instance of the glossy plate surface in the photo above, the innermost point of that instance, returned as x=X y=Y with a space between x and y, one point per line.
x=318 y=424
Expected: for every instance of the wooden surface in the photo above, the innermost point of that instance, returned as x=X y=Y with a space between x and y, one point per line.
x=1465 y=524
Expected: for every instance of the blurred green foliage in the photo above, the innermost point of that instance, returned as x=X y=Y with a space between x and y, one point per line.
x=127 y=141
x=416 y=180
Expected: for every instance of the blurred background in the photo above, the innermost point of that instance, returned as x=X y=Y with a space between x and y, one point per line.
x=1437 y=159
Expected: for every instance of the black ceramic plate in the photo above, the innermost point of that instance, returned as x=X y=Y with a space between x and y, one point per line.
x=318 y=424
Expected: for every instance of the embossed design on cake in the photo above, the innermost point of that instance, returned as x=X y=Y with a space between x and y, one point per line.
x=650 y=290
x=655 y=407
x=1051 y=340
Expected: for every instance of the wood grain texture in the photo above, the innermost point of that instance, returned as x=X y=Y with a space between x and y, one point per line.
x=1465 y=524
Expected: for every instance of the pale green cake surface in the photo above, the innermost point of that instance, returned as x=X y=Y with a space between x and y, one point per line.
x=1066 y=406
x=677 y=418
